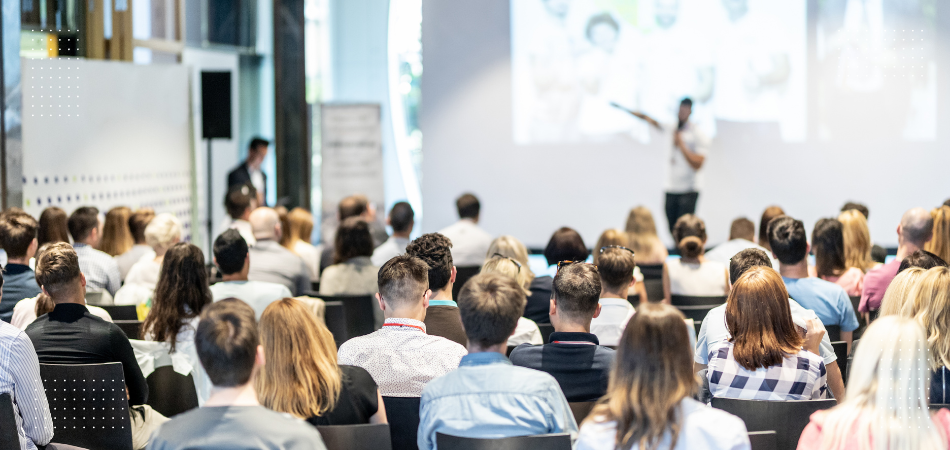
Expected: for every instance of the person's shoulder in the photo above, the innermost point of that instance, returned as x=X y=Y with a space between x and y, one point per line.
x=356 y=374
x=268 y=287
x=10 y=335
x=450 y=348
x=699 y=415
x=522 y=354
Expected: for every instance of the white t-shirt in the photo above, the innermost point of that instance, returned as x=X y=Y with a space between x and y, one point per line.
x=258 y=294
x=526 y=332
x=725 y=251
x=609 y=325
x=310 y=256
x=706 y=279
x=470 y=243
x=683 y=178
x=24 y=313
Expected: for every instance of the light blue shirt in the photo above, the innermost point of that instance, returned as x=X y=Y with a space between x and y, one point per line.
x=829 y=301
x=487 y=397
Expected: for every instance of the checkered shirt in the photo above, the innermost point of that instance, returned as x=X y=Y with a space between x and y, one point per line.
x=100 y=269
x=800 y=377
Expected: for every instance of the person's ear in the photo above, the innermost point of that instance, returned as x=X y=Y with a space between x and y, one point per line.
x=597 y=311
x=259 y=358
x=552 y=310
x=247 y=260
x=31 y=250
x=425 y=299
x=82 y=279
x=454 y=273
x=382 y=304
x=807 y=248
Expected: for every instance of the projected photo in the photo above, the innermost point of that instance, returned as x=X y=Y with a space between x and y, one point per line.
x=741 y=61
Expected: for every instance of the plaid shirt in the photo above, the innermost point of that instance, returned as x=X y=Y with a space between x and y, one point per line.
x=100 y=269
x=799 y=377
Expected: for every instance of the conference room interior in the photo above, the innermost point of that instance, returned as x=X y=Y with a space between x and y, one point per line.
x=474 y=224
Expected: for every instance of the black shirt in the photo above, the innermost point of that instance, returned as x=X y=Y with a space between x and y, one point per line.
x=71 y=335
x=539 y=302
x=358 y=401
x=581 y=369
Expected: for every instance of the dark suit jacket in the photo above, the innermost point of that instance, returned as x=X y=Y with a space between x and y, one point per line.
x=240 y=175
x=539 y=302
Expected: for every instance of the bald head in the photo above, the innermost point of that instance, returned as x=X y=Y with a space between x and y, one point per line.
x=265 y=223
x=916 y=227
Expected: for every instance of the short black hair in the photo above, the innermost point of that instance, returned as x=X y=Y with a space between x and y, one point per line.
x=468 y=206
x=435 y=250
x=239 y=198
x=857 y=206
x=82 y=221
x=878 y=254
x=565 y=245
x=687 y=102
x=401 y=217
x=226 y=342
x=745 y=260
x=922 y=259
x=788 y=239
x=258 y=142
x=577 y=290
x=230 y=251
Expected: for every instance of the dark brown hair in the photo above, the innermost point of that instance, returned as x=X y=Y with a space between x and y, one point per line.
x=352 y=206
x=402 y=280
x=138 y=221
x=827 y=241
x=468 y=206
x=352 y=239
x=181 y=293
x=690 y=235
x=760 y=320
x=565 y=245
x=490 y=305
x=577 y=290
x=741 y=262
x=57 y=269
x=239 y=198
x=82 y=221
x=52 y=226
x=615 y=266
x=226 y=342
x=742 y=228
x=17 y=231
x=435 y=250
x=770 y=213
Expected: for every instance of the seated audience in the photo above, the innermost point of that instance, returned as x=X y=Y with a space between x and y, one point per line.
x=930 y=296
x=616 y=266
x=70 y=334
x=827 y=242
x=488 y=397
x=401 y=356
x=649 y=402
x=18 y=238
x=352 y=206
x=527 y=331
x=273 y=263
x=301 y=376
x=162 y=232
x=352 y=272
x=914 y=231
x=53 y=226
x=297 y=239
x=100 y=270
x=922 y=259
x=442 y=315
x=828 y=300
x=565 y=245
x=857 y=240
x=692 y=274
x=770 y=213
x=228 y=345
x=234 y=261
x=741 y=236
x=469 y=241
x=116 y=236
x=641 y=234
x=240 y=202
x=574 y=356
x=618 y=238
x=897 y=300
x=765 y=337
x=886 y=403
x=401 y=219
x=940 y=243
x=878 y=253
x=713 y=329
x=138 y=221
x=28 y=309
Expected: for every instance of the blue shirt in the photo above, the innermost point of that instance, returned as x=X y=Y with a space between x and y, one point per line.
x=487 y=397
x=19 y=282
x=828 y=300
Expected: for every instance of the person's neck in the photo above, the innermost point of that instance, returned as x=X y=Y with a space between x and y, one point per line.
x=265 y=238
x=402 y=234
x=233 y=396
x=471 y=219
x=239 y=276
x=406 y=313
x=25 y=261
x=798 y=270
x=905 y=249
x=697 y=260
x=498 y=348
x=77 y=299
x=89 y=243
x=444 y=294
x=615 y=294
x=570 y=326
x=141 y=243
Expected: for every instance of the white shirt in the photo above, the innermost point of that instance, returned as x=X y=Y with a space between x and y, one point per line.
x=393 y=247
x=706 y=279
x=257 y=179
x=526 y=332
x=609 y=325
x=725 y=251
x=683 y=178
x=701 y=427
x=469 y=243
x=401 y=357
x=243 y=227
x=24 y=313
x=310 y=256
x=134 y=255
x=145 y=273
x=257 y=294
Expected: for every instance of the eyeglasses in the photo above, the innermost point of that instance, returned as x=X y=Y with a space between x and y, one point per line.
x=499 y=255
x=616 y=246
x=561 y=264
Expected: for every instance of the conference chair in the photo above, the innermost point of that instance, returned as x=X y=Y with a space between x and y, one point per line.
x=546 y=330
x=634 y=300
x=88 y=404
x=651 y=271
x=560 y=441
x=788 y=419
x=403 y=416
x=692 y=300
x=131 y=328
x=834 y=332
x=335 y=320
x=510 y=348
x=8 y=430
x=462 y=274
x=171 y=393
x=122 y=312
x=841 y=352
x=695 y=312
x=862 y=324
x=581 y=410
x=356 y=437
x=356 y=319
x=933 y=406
x=763 y=440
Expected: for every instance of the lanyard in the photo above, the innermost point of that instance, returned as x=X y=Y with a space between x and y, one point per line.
x=404 y=325
x=573 y=342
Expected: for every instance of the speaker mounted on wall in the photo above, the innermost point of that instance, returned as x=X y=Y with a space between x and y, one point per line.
x=216 y=105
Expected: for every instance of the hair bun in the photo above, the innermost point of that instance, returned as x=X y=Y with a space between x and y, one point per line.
x=690 y=246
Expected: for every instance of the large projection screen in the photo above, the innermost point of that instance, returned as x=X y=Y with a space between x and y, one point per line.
x=807 y=105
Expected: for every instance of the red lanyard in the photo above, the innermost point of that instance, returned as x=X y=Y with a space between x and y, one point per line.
x=404 y=325
x=573 y=342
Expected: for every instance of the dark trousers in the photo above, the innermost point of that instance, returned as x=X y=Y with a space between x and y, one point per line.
x=679 y=205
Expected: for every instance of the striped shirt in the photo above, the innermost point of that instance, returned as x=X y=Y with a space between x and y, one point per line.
x=100 y=269
x=20 y=377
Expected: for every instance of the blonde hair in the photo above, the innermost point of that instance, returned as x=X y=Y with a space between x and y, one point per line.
x=642 y=237
x=511 y=247
x=116 y=235
x=857 y=240
x=887 y=395
x=931 y=296
x=163 y=231
x=504 y=266
x=940 y=243
x=301 y=376
x=610 y=237
x=895 y=298
x=299 y=227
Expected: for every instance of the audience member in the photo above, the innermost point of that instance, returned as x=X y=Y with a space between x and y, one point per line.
x=914 y=231
x=299 y=228
x=469 y=241
x=649 y=402
x=713 y=329
x=400 y=356
x=931 y=301
x=240 y=202
x=741 y=237
x=138 y=221
x=616 y=265
x=897 y=300
x=692 y=274
x=162 y=232
x=18 y=238
x=487 y=396
x=442 y=316
x=946 y=202
x=527 y=331
x=827 y=240
x=228 y=344
x=282 y=214
x=116 y=236
x=353 y=206
x=250 y=173
x=886 y=403
x=618 y=238
x=352 y=272
x=940 y=243
x=401 y=219
x=53 y=226
x=641 y=233
x=878 y=253
x=511 y=247
x=765 y=337
x=234 y=262
x=859 y=207
x=101 y=271
x=828 y=300
x=273 y=263
x=770 y=213
x=923 y=259
x=301 y=376
x=565 y=245
x=857 y=240
x=574 y=356
x=70 y=334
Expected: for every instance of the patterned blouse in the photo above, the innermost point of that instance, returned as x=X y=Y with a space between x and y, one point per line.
x=800 y=377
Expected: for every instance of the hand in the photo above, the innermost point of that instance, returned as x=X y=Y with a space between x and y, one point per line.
x=677 y=140
x=813 y=334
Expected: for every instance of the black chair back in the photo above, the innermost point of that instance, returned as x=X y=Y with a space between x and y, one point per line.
x=581 y=410
x=403 y=416
x=9 y=437
x=651 y=271
x=546 y=330
x=692 y=300
x=357 y=315
x=131 y=328
x=121 y=312
x=335 y=320
x=634 y=300
x=834 y=332
x=462 y=274
x=356 y=437
x=763 y=440
x=787 y=419
x=862 y=324
x=841 y=352
x=560 y=441
x=88 y=404
x=933 y=406
x=510 y=348
x=696 y=312
x=654 y=290
x=171 y=393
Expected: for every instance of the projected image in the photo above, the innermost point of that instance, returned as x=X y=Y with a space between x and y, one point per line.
x=740 y=61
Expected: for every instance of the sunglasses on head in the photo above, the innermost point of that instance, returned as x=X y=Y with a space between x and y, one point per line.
x=616 y=246
x=499 y=255
x=561 y=264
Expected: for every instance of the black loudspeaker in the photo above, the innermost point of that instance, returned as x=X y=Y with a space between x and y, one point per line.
x=216 y=105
